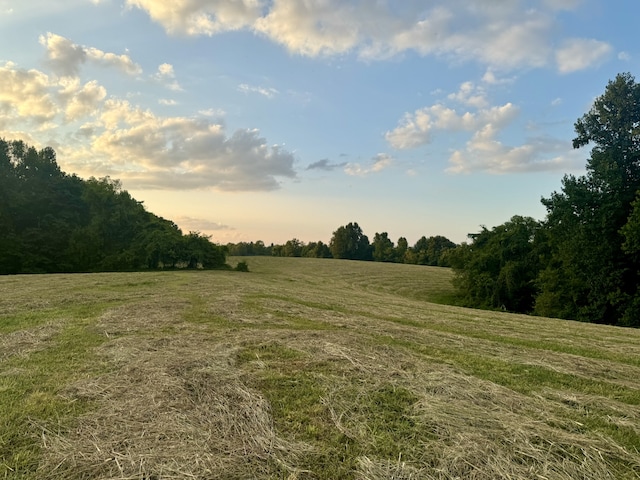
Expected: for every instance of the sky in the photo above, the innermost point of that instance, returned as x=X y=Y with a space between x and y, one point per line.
x=271 y=120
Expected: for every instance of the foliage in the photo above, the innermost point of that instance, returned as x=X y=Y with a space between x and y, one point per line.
x=242 y=266
x=383 y=249
x=54 y=222
x=583 y=261
x=349 y=242
x=248 y=249
x=432 y=251
x=498 y=269
x=592 y=267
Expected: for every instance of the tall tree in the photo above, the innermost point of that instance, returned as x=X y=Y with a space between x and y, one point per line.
x=401 y=250
x=589 y=276
x=54 y=222
x=498 y=269
x=383 y=250
x=351 y=243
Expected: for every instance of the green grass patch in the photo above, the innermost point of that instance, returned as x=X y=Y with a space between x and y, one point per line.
x=30 y=400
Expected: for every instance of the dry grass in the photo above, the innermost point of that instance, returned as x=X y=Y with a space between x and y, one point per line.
x=310 y=369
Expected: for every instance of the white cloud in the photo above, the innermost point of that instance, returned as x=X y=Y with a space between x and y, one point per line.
x=33 y=97
x=184 y=153
x=200 y=17
x=81 y=101
x=378 y=163
x=416 y=129
x=166 y=70
x=580 y=53
x=66 y=57
x=484 y=153
x=166 y=75
x=27 y=94
x=504 y=35
x=109 y=136
x=490 y=78
x=471 y=95
x=167 y=102
x=266 y=92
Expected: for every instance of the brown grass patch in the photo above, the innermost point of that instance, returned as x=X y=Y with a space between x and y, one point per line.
x=21 y=343
x=176 y=408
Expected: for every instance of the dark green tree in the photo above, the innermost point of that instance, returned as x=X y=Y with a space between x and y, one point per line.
x=401 y=250
x=499 y=267
x=349 y=242
x=293 y=248
x=316 y=250
x=383 y=249
x=54 y=222
x=431 y=251
x=589 y=275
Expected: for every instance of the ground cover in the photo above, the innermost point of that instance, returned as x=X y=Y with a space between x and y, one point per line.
x=304 y=368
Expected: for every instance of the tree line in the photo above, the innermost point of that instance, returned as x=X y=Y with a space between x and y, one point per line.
x=583 y=260
x=350 y=242
x=54 y=222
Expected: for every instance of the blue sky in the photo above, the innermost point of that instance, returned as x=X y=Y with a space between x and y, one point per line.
x=256 y=119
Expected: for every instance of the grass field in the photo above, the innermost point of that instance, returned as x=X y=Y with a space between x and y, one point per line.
x=304 y=369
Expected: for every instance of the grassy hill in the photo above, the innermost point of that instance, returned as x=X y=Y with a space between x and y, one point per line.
x=304 y=368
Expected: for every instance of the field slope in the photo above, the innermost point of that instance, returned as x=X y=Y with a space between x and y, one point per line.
x=304 y=368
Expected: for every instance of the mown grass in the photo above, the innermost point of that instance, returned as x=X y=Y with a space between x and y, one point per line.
x=304 y=368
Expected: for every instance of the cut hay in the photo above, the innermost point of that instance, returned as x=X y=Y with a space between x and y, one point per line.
x=21 y=343
x=174 y=410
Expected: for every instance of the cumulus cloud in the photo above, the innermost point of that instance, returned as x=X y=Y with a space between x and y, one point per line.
x=184 y=153
x=580 y=53
x=485 y=153
x=490 y=78
x=114 y=137
x=81 y=101
x=27 y=94
x=201 y=17
x=416 y=128
x=504 y=35
x=325 y=165
x=378 y=163
x=471 y=95
x=65 y=57
x=167 y=76
x=33 y=97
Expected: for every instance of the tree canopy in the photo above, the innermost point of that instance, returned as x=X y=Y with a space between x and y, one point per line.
x=54 y=222
x=582 y=261
x=351 y=243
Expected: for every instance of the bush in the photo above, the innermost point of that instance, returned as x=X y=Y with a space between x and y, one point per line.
x=242 y=267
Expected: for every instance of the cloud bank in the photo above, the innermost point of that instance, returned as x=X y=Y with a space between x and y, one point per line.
x=111 y=136
x=507 y=34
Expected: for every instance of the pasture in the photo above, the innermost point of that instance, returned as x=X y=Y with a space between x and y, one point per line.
x=304 y=369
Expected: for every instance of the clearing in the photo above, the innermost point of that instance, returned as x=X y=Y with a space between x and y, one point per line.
x=304 y=369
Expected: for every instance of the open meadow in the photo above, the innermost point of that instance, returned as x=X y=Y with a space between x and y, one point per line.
x=304 y=369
